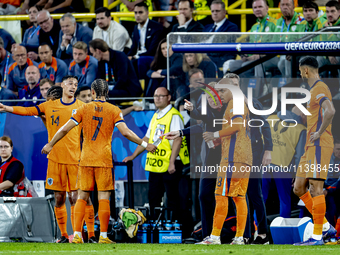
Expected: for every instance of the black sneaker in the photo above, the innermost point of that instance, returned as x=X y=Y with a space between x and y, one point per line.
x=260 y=240
x=63 y=239
x=93 y=240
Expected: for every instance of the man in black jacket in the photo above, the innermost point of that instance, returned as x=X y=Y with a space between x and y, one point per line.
x=116 y=69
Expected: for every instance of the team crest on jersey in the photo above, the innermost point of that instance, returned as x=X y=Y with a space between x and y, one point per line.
x=293 y=28
x=52 y=77
x=50 y=181
x=74 y=111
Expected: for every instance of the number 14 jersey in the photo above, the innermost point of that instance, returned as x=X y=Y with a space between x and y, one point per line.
x=58 y=113
x=99 y=119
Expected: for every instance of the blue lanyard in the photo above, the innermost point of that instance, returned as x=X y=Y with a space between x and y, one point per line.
x=6 y=67
x=51 y=40
x=257 y=29
x=283 y=25
x=107 y=73
x=35 y=30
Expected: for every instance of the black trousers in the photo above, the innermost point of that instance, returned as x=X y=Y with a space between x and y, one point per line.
x=169 y=183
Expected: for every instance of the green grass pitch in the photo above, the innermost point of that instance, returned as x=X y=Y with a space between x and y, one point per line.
x=183 y=249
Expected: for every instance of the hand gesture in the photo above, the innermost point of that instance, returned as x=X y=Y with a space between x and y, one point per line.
x=47 y=149
x=171 y=135
x=314 y=136
x=151 y=148
x=129 y=158
x=208 y=136
x=188 y=105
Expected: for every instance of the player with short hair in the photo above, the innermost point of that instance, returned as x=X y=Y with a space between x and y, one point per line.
x=99 y=119
x=232 y=180
x=314 y=163
x=63 y=160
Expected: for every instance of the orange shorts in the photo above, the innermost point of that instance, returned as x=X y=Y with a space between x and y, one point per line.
x=61 y=177
x=103 y=176
x=314 y=163
x=232 y=179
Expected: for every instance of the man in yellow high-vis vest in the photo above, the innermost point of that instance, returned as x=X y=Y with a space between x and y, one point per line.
x=165 y=165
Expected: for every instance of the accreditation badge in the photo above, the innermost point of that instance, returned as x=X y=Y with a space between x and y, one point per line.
x=160 y=129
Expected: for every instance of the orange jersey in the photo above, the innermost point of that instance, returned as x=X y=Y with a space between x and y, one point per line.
x=99 y=119
x=237 y=147
x=57 y=114
x=319 y=93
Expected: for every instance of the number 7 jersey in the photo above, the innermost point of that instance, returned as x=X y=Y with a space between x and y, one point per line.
x=99 y=119
x=58 y=113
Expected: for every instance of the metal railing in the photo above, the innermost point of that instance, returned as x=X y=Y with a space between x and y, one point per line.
x=116 y=15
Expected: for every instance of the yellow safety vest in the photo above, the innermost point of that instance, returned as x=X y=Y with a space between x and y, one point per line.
x=284 y=140
x=160 y=160
x=123 y=8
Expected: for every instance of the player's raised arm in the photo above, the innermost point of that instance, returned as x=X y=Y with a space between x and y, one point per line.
x=18 y=110
x=129 y=134
x=209 y=136
x=329 y=112
x=58 y=136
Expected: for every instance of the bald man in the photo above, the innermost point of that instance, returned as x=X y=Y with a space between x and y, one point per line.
x=32 y=89
x=164 y=166
x=16 y=73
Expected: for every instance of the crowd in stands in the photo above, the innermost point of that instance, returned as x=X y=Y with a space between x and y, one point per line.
x=137 y=46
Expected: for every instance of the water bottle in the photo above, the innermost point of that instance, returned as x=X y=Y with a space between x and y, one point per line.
x=210 y=144
x=158 y=141
x=168 y=225
x=177 y=226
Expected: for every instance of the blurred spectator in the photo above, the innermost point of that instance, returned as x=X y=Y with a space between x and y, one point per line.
x=221 y=24
x=288 y=147
x=146 y=34
x=49 y=32
x=7 y=38
x=6 y=94
x=31 y=36
x=51 y=67
x=11 y=170
x=6 y=61
x=113 y=33
x=84 y=66
x=146 y=37
x=332 y=188
x=84 y=94
x=9 y=7
x=59 y=6
x=289 y=22
x=333 y=19
x=196 y=78
x=201 y=61
x=70 y=33
x=44 y=85
x=311 y=14
x=115 y=68
x=158 y=70
x=32 y=89
x=16 y=73
x=185 y=20
x=129 y=6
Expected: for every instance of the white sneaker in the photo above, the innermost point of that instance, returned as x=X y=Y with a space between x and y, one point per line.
x=210 y=240
x=238 y=241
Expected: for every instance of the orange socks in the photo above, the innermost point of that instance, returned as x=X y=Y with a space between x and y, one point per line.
x=337 y=227
x=308 y=200
x=104 y=214
x=89 y=219
x=221 y=212
x=61 y=215
x=79 y=212
x=241 y=215
x=319 y=210
x=72 y=217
